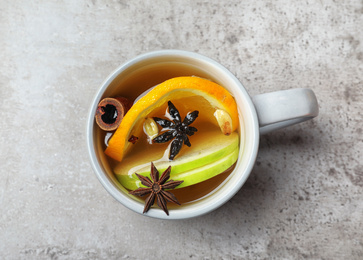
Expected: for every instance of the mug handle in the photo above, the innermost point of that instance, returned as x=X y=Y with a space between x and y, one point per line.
x=283 y=108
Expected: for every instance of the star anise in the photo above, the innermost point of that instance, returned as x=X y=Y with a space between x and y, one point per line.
x=156 y=188
x=176 y=129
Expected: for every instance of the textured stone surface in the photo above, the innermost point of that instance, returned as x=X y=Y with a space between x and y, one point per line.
x=304 y=198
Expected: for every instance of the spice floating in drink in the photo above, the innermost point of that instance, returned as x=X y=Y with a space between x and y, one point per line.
x=156 y=188
x=110 y=112
x=165 y=119
x=176 y=129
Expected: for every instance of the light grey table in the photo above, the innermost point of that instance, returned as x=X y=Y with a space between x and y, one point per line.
x=304 y=198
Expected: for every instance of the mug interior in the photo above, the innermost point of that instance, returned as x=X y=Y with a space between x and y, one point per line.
x=148 y=70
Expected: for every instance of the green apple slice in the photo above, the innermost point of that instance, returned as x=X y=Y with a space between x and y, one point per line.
x=205 y=149
x=208 y=171
x=210 y=152
x=190 y=177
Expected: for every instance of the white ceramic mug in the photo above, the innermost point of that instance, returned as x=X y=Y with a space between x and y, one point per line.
x=258 y=115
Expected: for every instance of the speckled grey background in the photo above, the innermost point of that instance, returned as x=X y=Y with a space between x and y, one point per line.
x=304 y=198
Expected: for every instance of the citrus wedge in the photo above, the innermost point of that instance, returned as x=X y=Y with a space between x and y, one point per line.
x=215 y=96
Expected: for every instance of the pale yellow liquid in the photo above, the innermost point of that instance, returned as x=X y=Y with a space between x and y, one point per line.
x=149 y=77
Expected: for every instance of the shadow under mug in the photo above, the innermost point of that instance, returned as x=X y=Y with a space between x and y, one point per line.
x=257 y=115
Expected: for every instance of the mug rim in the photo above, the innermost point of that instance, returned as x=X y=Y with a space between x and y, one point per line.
x=183 y=213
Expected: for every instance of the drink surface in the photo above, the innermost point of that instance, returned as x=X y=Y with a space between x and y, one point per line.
x=144 y=151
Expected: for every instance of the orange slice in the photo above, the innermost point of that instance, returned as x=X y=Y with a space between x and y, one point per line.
x=181 y=87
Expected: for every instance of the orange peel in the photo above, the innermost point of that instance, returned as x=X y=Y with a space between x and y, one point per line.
x=180 y=87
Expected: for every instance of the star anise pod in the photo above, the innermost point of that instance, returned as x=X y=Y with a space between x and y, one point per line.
x=156 y=189
x=176 y=129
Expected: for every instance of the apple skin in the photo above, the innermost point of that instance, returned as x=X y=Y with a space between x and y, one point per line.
x=208 y=171
x=192 y=168
x=196 y=156
x=191 y=177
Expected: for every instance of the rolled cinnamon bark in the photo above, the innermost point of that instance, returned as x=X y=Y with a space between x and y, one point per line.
x=110 y=112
